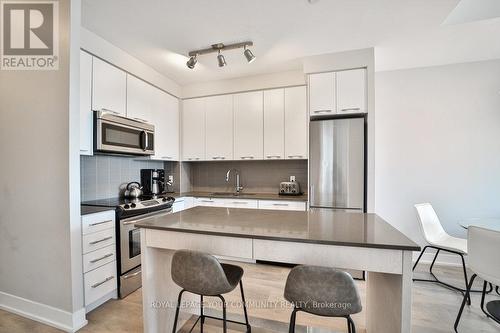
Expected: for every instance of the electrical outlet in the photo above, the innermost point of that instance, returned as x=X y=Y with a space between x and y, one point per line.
x=171 y=178
x=292 y=178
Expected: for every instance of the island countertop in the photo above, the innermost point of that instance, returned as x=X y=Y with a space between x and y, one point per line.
x=318 y=226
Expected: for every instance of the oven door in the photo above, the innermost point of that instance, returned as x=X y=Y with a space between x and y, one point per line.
x=130 y=240
x=124 y=136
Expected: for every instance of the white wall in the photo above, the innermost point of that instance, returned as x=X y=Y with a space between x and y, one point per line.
x=438 y=140
x=100 y=47
x=37 y=212
x=248 y=83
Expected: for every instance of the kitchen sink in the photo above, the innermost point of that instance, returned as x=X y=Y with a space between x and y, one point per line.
x=231 y=193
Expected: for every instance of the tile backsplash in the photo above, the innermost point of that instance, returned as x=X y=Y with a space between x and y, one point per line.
x=255 y=176
x=102 y=176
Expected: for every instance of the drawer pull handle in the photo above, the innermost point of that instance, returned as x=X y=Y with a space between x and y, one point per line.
x=109 y=278
x=93 y=261
x=322 y=111
x=101 y=240
x=166 y=157
x=294 y=156
x=206 y=200
x=273 y=156
x=281 y=204
x=128 y=276
x=247 y=157
x=351 y=109
x=97 y=223
x=240 y=203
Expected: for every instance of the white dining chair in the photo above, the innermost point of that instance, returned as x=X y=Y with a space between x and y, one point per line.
x=438 y=239
x=483 y=249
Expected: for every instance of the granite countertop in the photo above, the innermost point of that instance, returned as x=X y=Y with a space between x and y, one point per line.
x=250 y=195
x=318 y=226
x=85 y=210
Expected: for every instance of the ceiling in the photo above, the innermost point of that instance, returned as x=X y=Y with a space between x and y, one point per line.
x=405 y=33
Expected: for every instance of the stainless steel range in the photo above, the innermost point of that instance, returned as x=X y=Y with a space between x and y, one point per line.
x=128 y=241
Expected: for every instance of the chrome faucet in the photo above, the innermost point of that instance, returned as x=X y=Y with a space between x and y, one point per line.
x=237 y=188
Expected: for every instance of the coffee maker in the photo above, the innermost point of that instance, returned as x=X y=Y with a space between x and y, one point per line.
x=153 y=181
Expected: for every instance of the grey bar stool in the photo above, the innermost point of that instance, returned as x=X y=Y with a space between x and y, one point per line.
x=202 y=274
x=322 y=291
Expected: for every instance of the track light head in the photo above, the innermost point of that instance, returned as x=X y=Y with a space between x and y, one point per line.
x=191 y=62
x=249 y=55
x=221 y=60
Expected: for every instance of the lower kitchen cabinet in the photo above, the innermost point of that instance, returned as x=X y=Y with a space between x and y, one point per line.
x=99 y=258
x=282 y=205
x=251 y=203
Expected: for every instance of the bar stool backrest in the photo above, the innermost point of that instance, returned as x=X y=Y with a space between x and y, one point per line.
x=429 y=222
x=484 y=253
x=198 y=272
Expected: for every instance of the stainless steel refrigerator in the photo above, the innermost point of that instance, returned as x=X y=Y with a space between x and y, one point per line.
x=337 y=170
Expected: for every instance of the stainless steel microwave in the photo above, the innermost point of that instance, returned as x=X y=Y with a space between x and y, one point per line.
x=116 y=134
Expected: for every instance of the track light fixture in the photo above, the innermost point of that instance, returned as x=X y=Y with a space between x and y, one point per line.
x=219 y=47
x=249 y=55
x=191 y=62
x=221 y=60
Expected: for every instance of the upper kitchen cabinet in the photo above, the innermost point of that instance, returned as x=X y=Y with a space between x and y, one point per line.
x=322 y=94
x=86 y=116
x=274 y=125
x=109 y=87
x=296 y=123
x=165 y=117
x=351 y=91
x=193 y=129
x=219 y=127
x=140 y=101
x=248 y=126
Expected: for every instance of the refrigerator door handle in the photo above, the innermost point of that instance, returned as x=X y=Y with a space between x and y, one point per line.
x=311 y=194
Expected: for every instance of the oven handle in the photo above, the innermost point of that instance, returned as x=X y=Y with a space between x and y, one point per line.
x=133 y=220
x=128 y=276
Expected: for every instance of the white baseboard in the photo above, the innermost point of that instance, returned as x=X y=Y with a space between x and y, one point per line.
x=444 y=258
x=46 y=314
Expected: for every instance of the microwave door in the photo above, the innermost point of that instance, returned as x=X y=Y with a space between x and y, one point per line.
x=120 y=138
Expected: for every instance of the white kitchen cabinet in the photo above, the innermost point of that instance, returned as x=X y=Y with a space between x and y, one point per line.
x=248 y=126
x=165 y=117
x=351 y=91
x=322 y=99
x=86 y=115
x=140 y=101
x=209 y=202
x=193 y=129
x=296 y=123
x=282 y=205
x=241 y=203
x=109 y=85
x=219 y=127
x=274 y=124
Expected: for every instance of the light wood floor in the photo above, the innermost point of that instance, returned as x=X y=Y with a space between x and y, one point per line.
x=434 y=308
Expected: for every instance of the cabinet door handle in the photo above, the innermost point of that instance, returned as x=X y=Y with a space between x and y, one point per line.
x=246 y=157
x=322 y=111
x=97 y=223
x=166 y=157
x=102 y=282
x=350 y=109
x=206 y=200
x=240 y=203
x=273 y=156
x=93 y=261
x=295 y=156
x=101 y=240
x=280 y=204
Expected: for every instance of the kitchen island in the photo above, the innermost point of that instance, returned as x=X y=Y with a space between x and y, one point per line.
x=315 y=237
